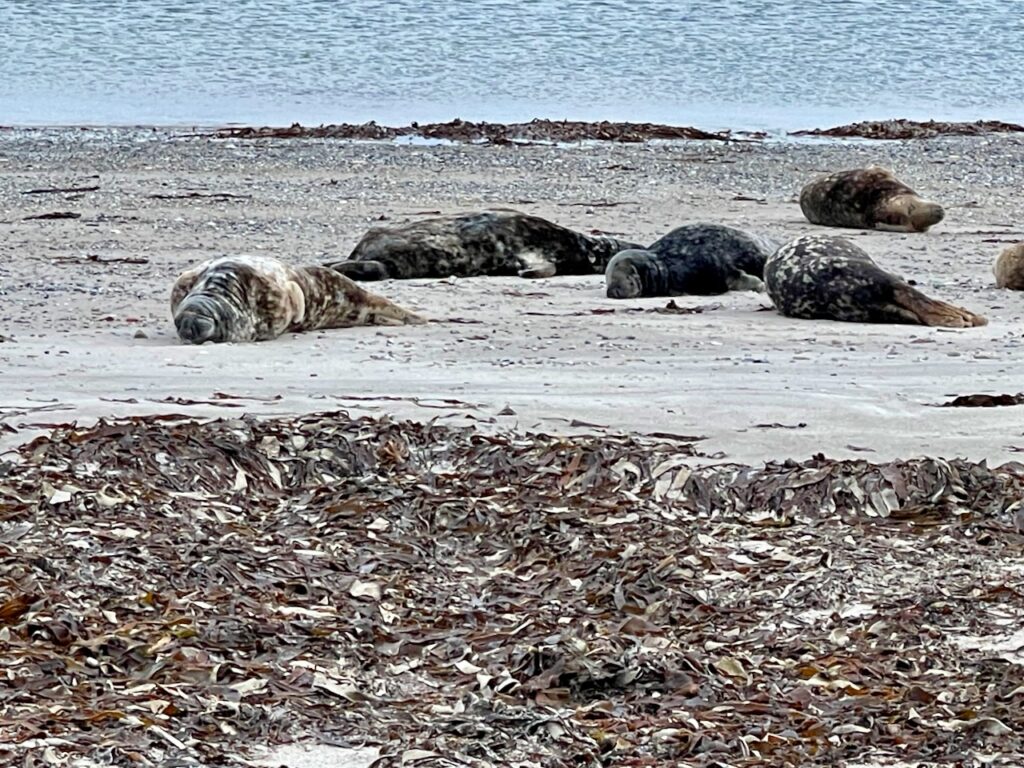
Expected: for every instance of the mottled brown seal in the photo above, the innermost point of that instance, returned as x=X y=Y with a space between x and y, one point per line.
x=701 y=259
x=254 y=298
x=818 y=276
x=494 y=242
x=867 y=198
x=1009 y=268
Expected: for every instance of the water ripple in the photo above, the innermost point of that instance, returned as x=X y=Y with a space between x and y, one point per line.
x=760 y=62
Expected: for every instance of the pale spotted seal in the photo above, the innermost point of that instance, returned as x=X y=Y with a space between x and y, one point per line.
x=253 y=298
x=867 y=198
x=1009 y=268
x=699 y=259
x=495 y=242
x=817 y=276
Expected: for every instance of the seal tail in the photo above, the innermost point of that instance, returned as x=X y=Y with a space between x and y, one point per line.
x=913 y=306
x=601 y=249
x=360 y=270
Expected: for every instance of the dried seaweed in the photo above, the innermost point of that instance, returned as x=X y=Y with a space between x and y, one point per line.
x=494 y=133
x=984 y=401
x=912 y=129
x=173 y=592
x=53 y=215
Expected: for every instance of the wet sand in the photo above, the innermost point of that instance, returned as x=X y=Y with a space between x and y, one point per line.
x=83 y=301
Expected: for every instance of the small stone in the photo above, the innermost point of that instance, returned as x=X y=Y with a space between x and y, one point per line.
x=141 y=334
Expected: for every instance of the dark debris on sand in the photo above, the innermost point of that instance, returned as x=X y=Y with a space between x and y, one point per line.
x=494 y=133
x=912 y=129
x=175 y=592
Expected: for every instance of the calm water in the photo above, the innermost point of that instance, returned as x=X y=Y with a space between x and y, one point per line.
x=747 y=64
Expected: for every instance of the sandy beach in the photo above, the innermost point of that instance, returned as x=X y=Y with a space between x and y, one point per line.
x=86 y=328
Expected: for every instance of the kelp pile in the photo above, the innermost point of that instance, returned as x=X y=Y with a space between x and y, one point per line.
x=493 y=133
x=912 y=129
x=176 y=592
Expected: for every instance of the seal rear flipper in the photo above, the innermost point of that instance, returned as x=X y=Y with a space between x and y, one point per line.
x=547 y=269
x=361 y=270
x=912 y=306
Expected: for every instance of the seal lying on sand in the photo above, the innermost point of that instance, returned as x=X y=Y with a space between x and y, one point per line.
x=253 y=298
x=694 y=258
x=867 y=198
x=1009 y=268
x=496 y=242
x=817 y=276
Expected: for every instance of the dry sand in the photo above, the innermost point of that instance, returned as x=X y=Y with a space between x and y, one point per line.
x=87 y=335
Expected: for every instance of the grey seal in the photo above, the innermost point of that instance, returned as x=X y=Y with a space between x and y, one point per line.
x=493 y=242
x=254 y=298
x=701 y=259
x=868 y=198
x=1009 y=268
x=820 y=276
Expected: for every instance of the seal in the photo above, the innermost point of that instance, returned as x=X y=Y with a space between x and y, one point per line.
x=868 y=198
x=254 y=298
x=702 y=259
x=818 y=276
x=494 y=242
x=1009 y=268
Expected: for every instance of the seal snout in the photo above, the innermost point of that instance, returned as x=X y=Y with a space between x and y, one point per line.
x=195 y=328
x=925 y=214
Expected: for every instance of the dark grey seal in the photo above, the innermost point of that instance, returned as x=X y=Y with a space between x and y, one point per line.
x=702 y=259
x=495 y=242
x=818 y=276
x=868 y=198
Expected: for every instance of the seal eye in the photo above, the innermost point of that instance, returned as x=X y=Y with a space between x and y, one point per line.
x=195 y=328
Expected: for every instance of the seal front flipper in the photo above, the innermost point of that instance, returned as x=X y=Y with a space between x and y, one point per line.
x=361 y=270
x=913 y=306
x=741 y=281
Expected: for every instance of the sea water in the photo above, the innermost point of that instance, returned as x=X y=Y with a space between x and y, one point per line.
x=751 y=64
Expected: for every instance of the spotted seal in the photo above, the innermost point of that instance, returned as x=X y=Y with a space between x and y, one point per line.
x=818 y=276
x=867 y=198
x=1009 y=268
x=493 y=242
x=254 y=298
x=699 y=259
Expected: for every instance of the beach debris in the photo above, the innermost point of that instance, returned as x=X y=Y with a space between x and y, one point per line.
x=912 y=129
x=185 y=591
x=192 y=195
x=60 y=190
x=984 y=401
x=538 y=130
x=53 y=215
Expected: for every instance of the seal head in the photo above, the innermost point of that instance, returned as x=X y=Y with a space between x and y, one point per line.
x=633 y=273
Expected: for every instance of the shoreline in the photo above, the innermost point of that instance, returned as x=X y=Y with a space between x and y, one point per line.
x=79 y=289
x=545 y=130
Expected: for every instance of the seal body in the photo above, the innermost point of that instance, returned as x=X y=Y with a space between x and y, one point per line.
x=495 y=242
x=699 y=259
x=817 y=276
x=867 y=198
x=254 y=298
x=1009 y=268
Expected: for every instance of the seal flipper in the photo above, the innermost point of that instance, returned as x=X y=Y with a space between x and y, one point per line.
x=547 y=269
x=909 y=305
x=741 y=281
x=361 y=270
